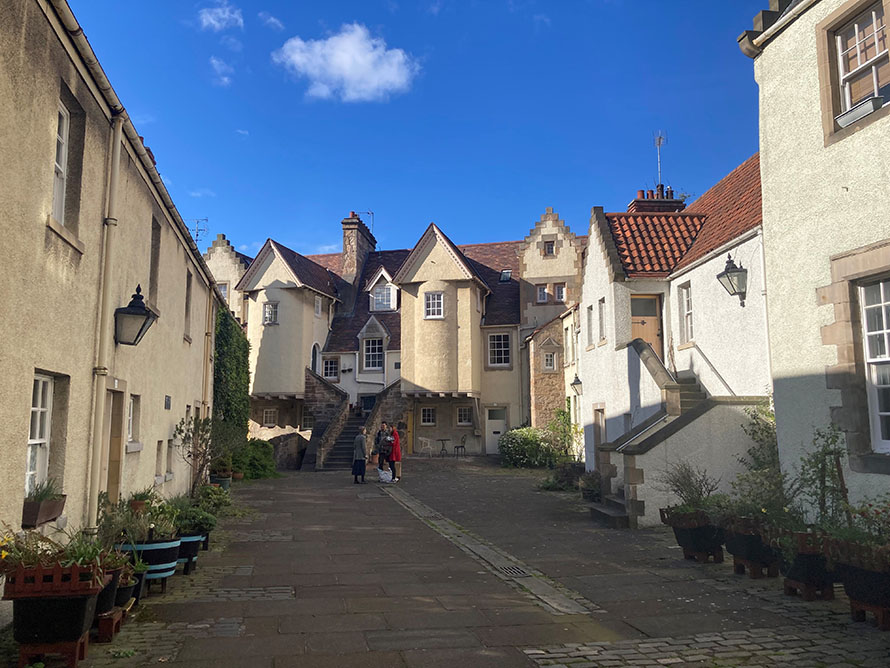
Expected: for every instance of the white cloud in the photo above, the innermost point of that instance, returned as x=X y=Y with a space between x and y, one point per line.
x=202 y=192
x=252 y=247
x=221 y=17
x=222 y=70
x=231 y=43
x=541 y=20
x=243 y=133
x=271 y=21
x=326 y=248
x=350 y=65
x=435 y=7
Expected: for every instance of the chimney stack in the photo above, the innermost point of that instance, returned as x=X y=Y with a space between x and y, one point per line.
x=357 y=243
x=660 y=200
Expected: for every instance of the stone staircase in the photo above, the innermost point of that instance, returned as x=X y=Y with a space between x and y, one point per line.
x=340 y=456
x=615 y=510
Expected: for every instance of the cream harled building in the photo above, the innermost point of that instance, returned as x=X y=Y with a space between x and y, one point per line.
x=86 y=219
x=823 y=68
x=441 y=327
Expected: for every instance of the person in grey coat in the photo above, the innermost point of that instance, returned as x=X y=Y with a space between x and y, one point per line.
x=359 y=456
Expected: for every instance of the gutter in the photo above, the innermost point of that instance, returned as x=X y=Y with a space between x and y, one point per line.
x=737 y=241
x=752 y=42
x=82 y=45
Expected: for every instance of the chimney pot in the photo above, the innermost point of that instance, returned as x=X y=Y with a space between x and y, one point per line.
x=670 y=193
x=660 y=190
x=641 y=194
x=352 y=214
x=650 y=194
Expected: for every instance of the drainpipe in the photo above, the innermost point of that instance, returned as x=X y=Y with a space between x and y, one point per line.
x=769 y=357
x=100 y=371
x=209 y=329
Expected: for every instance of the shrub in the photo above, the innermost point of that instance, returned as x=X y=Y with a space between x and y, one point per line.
x=591 y=484
x=528 y=447
x=692 y=485
x=213 y=499
x=255 y=459
x=194 y=520
x=564 y=477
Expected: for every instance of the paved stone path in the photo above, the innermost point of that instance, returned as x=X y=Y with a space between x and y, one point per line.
x=463 y=563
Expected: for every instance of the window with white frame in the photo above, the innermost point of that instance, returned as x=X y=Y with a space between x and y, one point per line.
x=601 y=306
x=60 y=169
x=549 y=361
x=559 y=292
x=331 y=368
x=270 y=313
x=224 y=290
x=506 y=275
x=863 y=58
x=318 y=306
x=542 y=293
x=381 y=298
x=590 y=340
x=39 y=432
x=876 y=330
x=133 y=418
x=684 y=293
x=373 y=354
x=498 y=350
x=464 y=416
x=308 y=420
x=433 y=306
x=428 y=416
x=270 y=417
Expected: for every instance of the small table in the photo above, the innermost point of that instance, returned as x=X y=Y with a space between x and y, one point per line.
x=443 y=452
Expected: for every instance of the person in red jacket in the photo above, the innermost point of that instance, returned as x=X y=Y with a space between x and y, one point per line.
x=395 y=457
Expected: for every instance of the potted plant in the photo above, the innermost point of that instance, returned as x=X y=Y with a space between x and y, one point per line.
x=53 y=586
x=141 y=498
x=113 y=562
x=237 y=475
x=590 y=484
x=43 y=504
x=693 y=519
x=221 y=471
x=193 y=524
x=214 y=500
x=206 y=445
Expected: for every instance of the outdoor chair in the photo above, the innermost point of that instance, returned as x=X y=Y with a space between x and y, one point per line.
x=461 y=450
x=426 y=445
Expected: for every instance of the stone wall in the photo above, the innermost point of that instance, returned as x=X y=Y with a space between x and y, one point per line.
x=546 y=386
x=392 y=407
x=329 y=406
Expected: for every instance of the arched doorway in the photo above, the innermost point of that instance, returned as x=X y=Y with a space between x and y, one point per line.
x=314 y=366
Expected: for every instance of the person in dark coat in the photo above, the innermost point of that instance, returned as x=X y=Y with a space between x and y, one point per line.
x=359 y=455
x=382 y=433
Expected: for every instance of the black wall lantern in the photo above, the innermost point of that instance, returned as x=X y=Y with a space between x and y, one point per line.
x=734 y=279
x=576 y=385
x=132 y=321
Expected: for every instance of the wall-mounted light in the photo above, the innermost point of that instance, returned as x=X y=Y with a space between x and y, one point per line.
x=576 y=385
x=132 y=321
x=734 y=279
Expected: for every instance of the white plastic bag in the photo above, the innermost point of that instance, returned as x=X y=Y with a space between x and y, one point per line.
x=384 y=476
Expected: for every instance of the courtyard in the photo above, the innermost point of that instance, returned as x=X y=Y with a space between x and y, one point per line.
x=465 y=563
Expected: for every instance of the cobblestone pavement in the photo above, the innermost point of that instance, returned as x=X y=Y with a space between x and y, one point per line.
x=463 y=563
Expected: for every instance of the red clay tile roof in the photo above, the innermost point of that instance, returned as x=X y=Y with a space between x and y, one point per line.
x=732 y=207
x=308 y=271
x=330 y=261
x=652 y=244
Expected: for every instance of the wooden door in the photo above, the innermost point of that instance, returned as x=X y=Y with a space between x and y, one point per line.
x=495 y=426
x=645 y=314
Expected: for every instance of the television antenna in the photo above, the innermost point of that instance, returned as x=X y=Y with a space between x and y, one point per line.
x=370 y=213
x=660 y=140
x=200 y=227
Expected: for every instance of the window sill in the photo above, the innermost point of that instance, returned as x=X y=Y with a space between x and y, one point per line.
x=434 y=317
x=499 y=367
x=134 y=446
x=601 y=343
x=270 y=324
x=686 y=346
x=867 y=120
x=187 y=339
x=860 y=111
x=168 y=476
x=65 y=234
x=335 y=379
x=159 y=480
x=873 y=462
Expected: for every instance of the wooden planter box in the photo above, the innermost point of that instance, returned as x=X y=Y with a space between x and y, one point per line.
x=695 y=534
x=52 y=619
x=35 y=513
x=44 y=581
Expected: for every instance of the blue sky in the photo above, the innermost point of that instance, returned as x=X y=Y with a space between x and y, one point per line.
x=276 y=118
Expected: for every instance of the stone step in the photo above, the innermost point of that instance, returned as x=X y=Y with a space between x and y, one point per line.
x=688 y=380
x=615 y=501
x=689 y=396
x=611 y=517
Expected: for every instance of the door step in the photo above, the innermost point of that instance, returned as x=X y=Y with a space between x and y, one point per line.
x=610 y=516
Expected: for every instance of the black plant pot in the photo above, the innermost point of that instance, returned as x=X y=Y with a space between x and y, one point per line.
x=188 y=552
x=124 y=594
x=707 y=538
x=809 y=569
x=750 y=547
x=41 y=620
x=864 y=586
x=105 y=599
x=206 y=545
x=139 y=589
x=160 y=555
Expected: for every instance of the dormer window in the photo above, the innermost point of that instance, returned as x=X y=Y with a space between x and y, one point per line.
x=506 y=275
x=381 y=298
